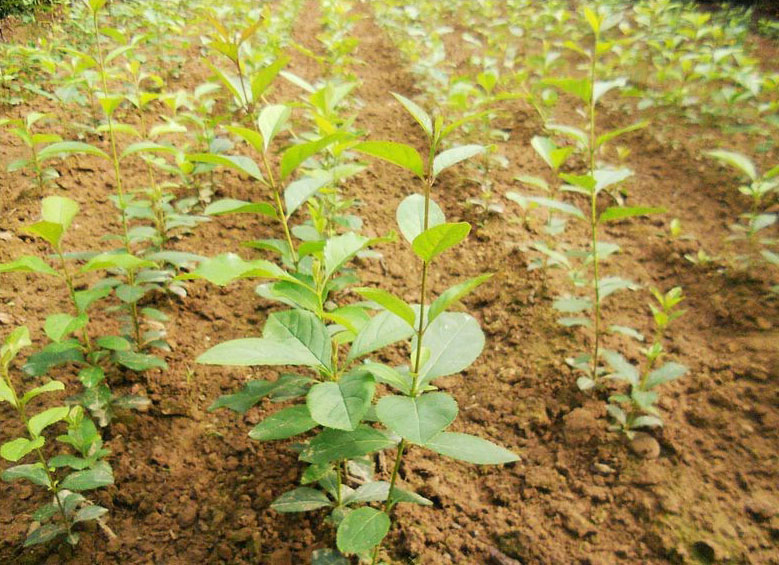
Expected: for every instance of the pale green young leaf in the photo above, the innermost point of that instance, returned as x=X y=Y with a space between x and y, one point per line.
x=452 y=156
x=48 y=231
x=250 y=136
x=123 y=261
x=28 y=264
x=340 y=249
x=362 y=530
x=147 y=147
x=593 y=19
x=609 y=135
x=553 y=156
x=453 y=294
x=734 y=159
x=410 y=216
x=620 y=213
x=574 y=133
x=226 y=268
x=621 y=367
x=41 y=421
x=294 y=156
x=470 y=448
x=263 y=78
x=563 y=207
x=432 y=242
x=298 y=192
x=59 y=210
x=236 y=162
x=454 y=340
x=389 y=301
x=232 y=206
x=59 y=326
x=421 y=117
x=579 y=87
x=417 y=419
x=601 y=87
x=271 y=121
x=666 y=373
x=16 y=449
x=397 y=153
x=109 y=104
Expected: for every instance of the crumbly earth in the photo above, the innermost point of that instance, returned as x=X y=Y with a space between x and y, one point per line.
x=191 y=487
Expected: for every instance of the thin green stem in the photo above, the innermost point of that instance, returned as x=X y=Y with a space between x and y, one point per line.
x=72 y=291
x=388 y=502
x=279 y=207
x=594 y=218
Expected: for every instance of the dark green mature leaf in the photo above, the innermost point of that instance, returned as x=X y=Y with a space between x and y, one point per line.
x=302 y=330
x=139 y=361
x=397 y=153
x=470 y=448
x=53 y=355
x=432 y=242
x=332 y=445
x=99 y=476
x=248 y=396
x=341 y=405
x=34 y=473
x=362 y=530
x=283 y=424
x=417 y=419
x=44 y=534
x=301 y=499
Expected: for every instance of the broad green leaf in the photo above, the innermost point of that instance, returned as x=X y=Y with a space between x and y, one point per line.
x=89 y=513
x=397 y=153
x=647 y=422
x=147 y=147
x=626 y=331
x=389 y=376
x=579 y=87
x=621 y=367
x=328 y=557
x=53 y=355
x=14 y=343
x=272 y=119
x=340 y=249
x=248 y=396
x=123 y=261
x=249 y=352
x=530 y=180
x=109 y=104
x=114 y=343
x=283 y=424
x=232 y=206
x=59 y=210
x=362 y=530
x=59 y=326
x=333 y=445
x=563 y=207
x=375 y=491
x=619 y=213
x=46 y=532
x=90 y=377
x=421 y=117
x=609 y=135
x=48 y=231
x=453 y=294
x=34 y=473
x=593 y=19
x=68 y=147
x=139 y=361
x=454 y=341
x=28 y=264
x=99 y=476
x=432 y=242
x=303 y=331
x=226 y=268
x=736 y=160
x=41 y=421
x=601 y=87
x=292 y=157
x=610 y=285
x=470 y=448
x=384 y=329
x=298 y=192
x=572 y=322
x=411 y=216
x=578 y=135
x=250 y=136
x=417 y=419
x=16 y=449
x=85 y=298
x=341 y=405
x=51 y=386
x=301 y=499
x=572 y=305
x=549 y=152
x=666 y=373
x=389 y=301
x=452 y=156
x=236 y=162
x=262 y=78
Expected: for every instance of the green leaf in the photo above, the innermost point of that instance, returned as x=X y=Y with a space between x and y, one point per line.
x=67 y=147
x=421 y=117
x=454 y=341
x=389 y=301
x=579 y=87
x=452 y=156
x=89 y=513
x=333 y=445
x=453 y=294
x=586 y=183
x=50 y=386
x=252 y=137
x=626 y=331
x=609 y=135
x=303 y=330
x=46 y=532
x=225 y=268
x=563 y=207
x=619 y=213
x=238 y=163
x=232 y=206
x=292 y=157
x=553 y=156
x=147 y=147
x=340 y=249
x=283 y=424
x=298 y=192
x=432 y=242
x=262 y=78
x=601 y=87
x=389 y=376
x=35 y=473
x=139 y=361
x=16 y=449
x=48 y=231
x=384 y=329
x=301 y=499
x=576 y=134
x=85 y=298
x=272 y=119
x=396 y=153
x=362 y=530
x=341 y=405
x=123 y=261
x=59 y=326
x=109 y=104
x=99 y=476
x=621 y=367
x=572 y=305
x=605 y=178
x=668 y=372
x=411 y=216
x=593 y=19
x=28 y=264
x=52 y=355
x=248 y=396
x=470 y=448
x=90 y=377
x=41 y=421
x=417 y=419
x=114 y=343
x=736 y=160
x=59 y=210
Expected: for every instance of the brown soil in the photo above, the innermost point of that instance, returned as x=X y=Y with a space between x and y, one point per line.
x=191 y=487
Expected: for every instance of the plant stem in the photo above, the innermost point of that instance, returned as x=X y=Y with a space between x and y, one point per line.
x=594 y=216
x=280 y=207
x=72 y=290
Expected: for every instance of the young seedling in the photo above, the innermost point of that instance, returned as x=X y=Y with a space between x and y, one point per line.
x=88 y=469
